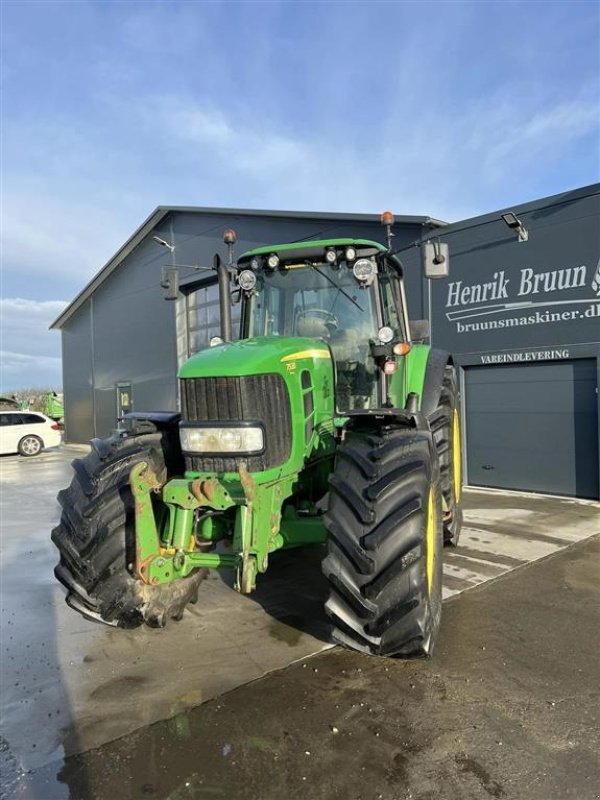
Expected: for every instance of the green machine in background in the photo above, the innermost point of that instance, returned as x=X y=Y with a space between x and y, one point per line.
x=54 y=406
x=328 y=422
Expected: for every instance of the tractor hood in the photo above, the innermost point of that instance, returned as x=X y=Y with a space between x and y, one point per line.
x=254 y=357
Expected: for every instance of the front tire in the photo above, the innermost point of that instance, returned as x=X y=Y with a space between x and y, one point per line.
x=96 y=536
x=384 y=564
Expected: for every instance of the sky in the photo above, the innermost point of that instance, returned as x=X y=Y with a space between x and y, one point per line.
x=110 y=108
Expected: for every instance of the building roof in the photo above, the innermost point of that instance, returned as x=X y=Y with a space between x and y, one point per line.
x=530 y=207
x=161 y=212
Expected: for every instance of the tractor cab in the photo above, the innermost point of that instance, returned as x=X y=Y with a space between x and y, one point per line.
x=344 y=292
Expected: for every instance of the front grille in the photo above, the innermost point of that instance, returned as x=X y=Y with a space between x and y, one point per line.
x=252 y=398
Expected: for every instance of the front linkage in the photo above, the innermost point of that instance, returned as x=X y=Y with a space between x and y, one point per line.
x=171 y=544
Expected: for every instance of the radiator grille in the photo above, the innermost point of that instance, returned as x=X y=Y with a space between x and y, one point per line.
x=252 y=398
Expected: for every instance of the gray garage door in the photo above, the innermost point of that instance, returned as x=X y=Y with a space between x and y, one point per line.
x=534 y=427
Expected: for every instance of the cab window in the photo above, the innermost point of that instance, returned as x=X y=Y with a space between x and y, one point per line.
x=391 y=303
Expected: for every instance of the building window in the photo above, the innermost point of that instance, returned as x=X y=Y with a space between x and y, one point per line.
x=203 y=320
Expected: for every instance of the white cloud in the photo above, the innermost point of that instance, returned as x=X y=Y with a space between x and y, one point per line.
x=431 y=162
x=78 y=198
x=30 y=354
x=20 y=370
x=16 y=362
x=49 y=235
x=25 y=324
x=20 y=305
x=510 y=137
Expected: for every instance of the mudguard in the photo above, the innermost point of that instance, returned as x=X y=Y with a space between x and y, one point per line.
x=383 y=417
x=150 y=421
x=434 y=375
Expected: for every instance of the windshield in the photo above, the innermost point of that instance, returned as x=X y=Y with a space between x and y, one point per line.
x=322 y=302
x=287 y=300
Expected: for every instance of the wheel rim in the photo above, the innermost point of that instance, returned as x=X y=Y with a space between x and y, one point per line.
x=456 y=459
x=430 y=540
x=30 y=445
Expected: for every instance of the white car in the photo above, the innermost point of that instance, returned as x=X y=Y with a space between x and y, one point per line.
x=27 y=432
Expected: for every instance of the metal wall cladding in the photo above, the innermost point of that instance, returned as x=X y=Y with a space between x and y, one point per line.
x=252 y=398
x=503 y=294
x=78 y=377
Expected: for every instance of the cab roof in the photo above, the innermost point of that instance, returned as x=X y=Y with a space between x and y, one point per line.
x=312 y=244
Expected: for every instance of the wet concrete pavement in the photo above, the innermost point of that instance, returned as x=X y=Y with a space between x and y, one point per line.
x=69 y=685
x=507 y=708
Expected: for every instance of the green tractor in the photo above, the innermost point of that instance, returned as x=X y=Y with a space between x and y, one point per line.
x=325 y=423
x=54 y=407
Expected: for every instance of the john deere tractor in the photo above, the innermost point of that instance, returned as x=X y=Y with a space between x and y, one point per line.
x=326 y=423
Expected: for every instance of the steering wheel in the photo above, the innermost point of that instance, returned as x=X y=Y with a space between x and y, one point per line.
x=317 y=322
x=321 y=313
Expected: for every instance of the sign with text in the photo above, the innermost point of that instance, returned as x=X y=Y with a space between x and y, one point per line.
x=523 y=358
x=504 y=295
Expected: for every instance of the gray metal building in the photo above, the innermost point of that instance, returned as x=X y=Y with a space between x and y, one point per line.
x=520 y=313
x=522 y=320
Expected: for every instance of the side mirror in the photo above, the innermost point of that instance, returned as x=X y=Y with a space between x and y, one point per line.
x=170 y=283
x=419 y=329
x=435 y=259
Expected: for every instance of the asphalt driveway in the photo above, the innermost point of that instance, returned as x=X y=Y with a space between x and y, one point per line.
x=69 y=685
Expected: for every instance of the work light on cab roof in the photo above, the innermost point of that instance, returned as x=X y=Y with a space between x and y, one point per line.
x=364 y=270
x=247 y=280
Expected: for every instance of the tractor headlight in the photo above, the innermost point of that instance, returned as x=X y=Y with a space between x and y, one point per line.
x=385 y=334
x=247 y=280
x=364 y=270
x=209 y=439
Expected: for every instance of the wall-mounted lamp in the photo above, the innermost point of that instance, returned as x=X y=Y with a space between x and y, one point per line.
x=515 y=224
x=162 y=243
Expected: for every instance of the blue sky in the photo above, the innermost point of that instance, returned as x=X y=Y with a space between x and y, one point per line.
x=111 y=108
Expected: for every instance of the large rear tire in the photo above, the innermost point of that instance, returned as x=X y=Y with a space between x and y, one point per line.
x=445 y=426
x=95 y=536
x=384 y=564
